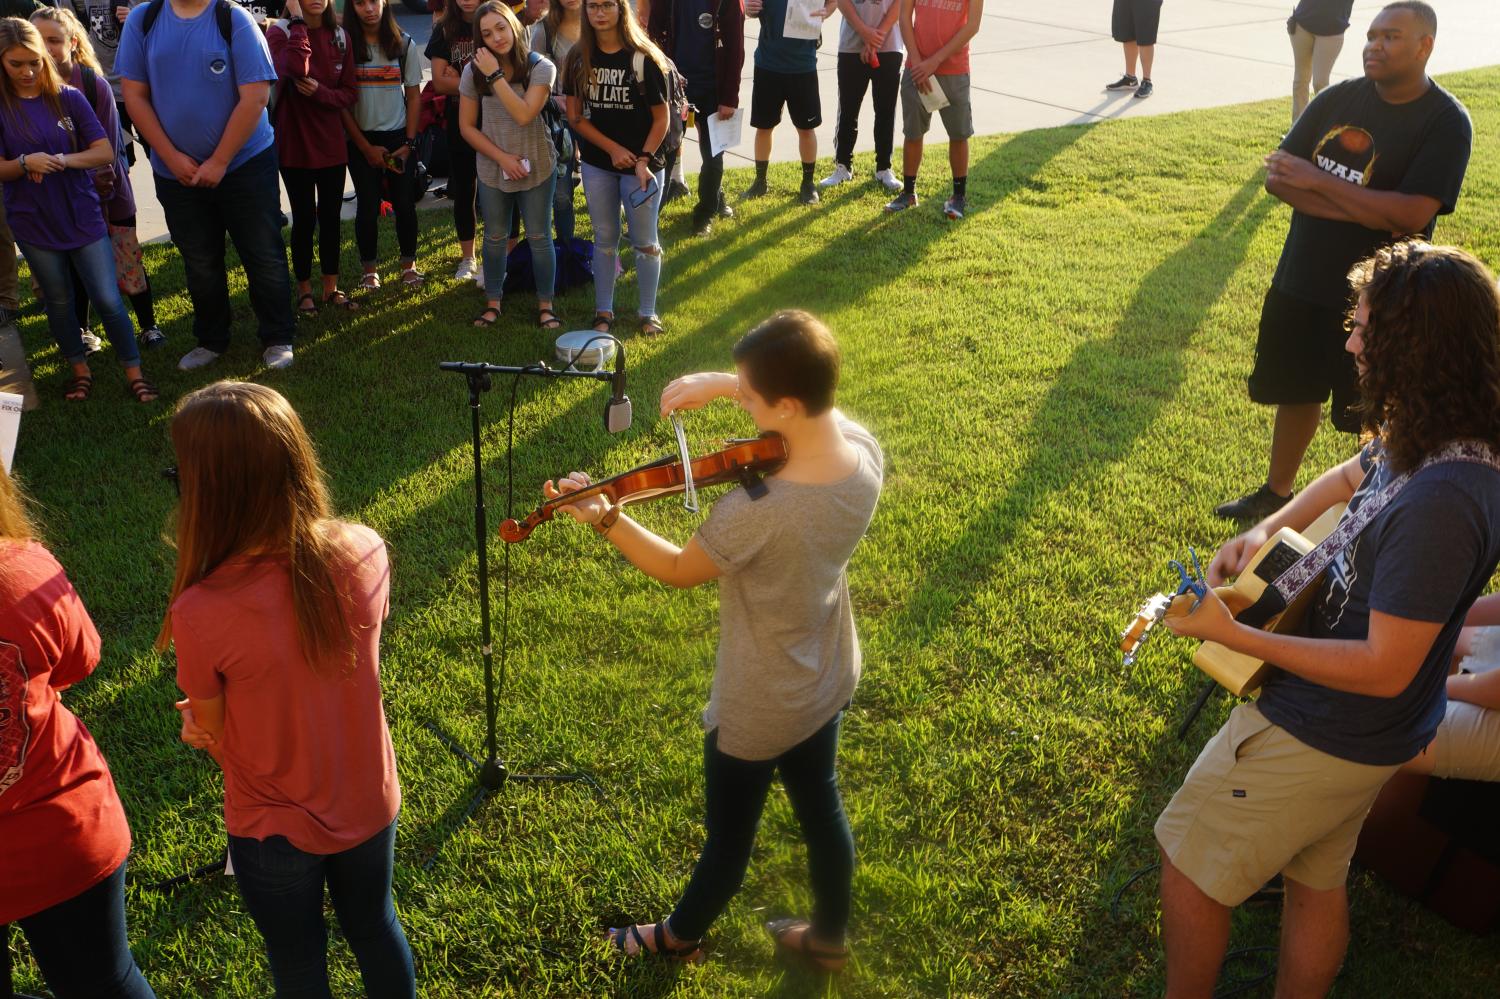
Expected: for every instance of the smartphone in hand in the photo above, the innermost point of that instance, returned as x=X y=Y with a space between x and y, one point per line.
x=639 y=197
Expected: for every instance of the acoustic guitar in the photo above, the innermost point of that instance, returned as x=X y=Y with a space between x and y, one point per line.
x=1236 y=672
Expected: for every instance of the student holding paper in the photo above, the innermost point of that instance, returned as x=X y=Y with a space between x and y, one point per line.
x=870 y=53
x=706 y=39
x=786 y=74
x=937 y=34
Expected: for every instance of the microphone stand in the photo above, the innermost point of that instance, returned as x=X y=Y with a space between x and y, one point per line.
x=491 y=774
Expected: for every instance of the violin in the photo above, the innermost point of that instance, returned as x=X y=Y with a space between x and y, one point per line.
x=743 y=461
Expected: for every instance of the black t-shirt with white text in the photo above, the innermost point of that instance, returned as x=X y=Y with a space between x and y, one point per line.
x=619 y=105
x=1421 y=147
x=1426 y=557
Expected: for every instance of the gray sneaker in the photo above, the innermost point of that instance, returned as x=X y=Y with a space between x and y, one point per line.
x=901 y=202
x=955 y=206
x=277 y=356
x=196 y=358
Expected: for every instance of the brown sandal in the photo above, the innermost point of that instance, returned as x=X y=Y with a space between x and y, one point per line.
x=79 y=388
x=650 y=325
x=603 y=319
x=546 y=319
x=805 y=951
x=143 y=390
x=310 y=309
x=338 y=300
x=687 y=951
x=488 y=317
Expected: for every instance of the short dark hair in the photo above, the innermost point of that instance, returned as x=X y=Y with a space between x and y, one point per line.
x=792 y=354
x=1423 y=12
x=1431 y=349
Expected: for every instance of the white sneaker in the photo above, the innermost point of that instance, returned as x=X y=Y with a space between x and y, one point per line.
x=467 y=268
x=479 y=276
x=888 y=180
x=198 y=357
x=277 y=357
x=841 y=174
x=91 y=343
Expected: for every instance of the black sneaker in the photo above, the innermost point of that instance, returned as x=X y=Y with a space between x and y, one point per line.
x=1126 y=82
x=675 y=189
x=808 y=195
x=703 y=225
x=756 y=190
x=1144 y=90
x=726 y=210
x=1253 y=507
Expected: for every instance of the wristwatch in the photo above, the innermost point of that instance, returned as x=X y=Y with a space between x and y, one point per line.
x=410 y=144
x=496 y=75
x=22 y=161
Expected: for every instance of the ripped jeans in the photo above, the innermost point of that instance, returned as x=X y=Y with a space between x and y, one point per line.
x=607 y=193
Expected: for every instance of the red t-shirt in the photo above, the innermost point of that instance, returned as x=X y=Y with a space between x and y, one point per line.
x=62 y=829
x=306 y=754
x=935 y=22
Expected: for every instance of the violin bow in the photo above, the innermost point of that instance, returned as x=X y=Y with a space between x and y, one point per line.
x=690 y=490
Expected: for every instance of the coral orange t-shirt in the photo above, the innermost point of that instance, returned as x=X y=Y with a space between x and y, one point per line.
x=306 y=753
x=935 y=22
x=62 y=829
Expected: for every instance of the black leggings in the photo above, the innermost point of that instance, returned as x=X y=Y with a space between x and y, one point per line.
x=316 y=195
x=142 y=301
x=734 y=792
x=855 y=78
x=463 y=178
x=369 y=183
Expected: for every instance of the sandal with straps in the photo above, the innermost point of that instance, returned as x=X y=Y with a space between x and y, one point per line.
x=546 y=319
x=488 y=317
x=650 y=325
x=819 y=958
x=603 y=319
x=143 y=390
x=310 y=309
x=79 y=388
x=338 y=300
x=687 y=951
x=369 y=281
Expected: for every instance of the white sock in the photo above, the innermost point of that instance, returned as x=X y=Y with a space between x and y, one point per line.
x=677 y=173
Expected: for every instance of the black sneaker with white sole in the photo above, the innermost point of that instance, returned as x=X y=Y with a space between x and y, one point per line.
x=1144 y=90
x=1126 y=82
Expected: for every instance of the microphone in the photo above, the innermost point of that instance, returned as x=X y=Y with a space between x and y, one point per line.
x=617 y=410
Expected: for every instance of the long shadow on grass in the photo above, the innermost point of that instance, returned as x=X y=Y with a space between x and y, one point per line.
x=1104 y=399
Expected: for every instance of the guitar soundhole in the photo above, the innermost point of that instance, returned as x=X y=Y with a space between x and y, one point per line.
x=1278 y=560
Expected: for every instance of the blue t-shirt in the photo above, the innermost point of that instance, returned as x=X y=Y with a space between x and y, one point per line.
x=693 y=42
x=1425 y=557
x=195 y=76
x=782 y=55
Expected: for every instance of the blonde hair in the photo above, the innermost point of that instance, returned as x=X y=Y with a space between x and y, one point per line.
x=250 y=483
x=15 y=524
x=18 y=33
x=78 y=39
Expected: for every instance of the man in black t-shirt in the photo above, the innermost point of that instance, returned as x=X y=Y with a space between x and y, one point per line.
x=1369 y=160
x=1287 y=782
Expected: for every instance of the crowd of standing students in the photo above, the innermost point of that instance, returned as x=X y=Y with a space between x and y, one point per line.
x=232 y=102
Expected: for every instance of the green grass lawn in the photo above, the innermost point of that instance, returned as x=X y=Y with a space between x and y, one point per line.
x=1058 y=383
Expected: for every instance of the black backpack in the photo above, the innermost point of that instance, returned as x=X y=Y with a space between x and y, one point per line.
x=677 y=102
x=557 y=128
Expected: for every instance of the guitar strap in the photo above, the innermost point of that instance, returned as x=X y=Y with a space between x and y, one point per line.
x=1290 y=584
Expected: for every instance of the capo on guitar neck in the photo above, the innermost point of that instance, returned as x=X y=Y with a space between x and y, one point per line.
x=1156 y=607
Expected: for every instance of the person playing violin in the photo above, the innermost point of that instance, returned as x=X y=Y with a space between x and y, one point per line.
x=788 y=656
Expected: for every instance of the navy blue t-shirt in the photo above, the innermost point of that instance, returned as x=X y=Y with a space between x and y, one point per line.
x=778 y=54
x=1323 y=17
x=693 y=40
x=1425 y=557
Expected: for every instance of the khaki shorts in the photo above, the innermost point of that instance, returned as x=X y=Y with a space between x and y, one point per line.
x=1467 y=744
x=958 y=116
x=1259 y=802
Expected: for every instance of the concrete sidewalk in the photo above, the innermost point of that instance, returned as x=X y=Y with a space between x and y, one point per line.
x=1036 y=65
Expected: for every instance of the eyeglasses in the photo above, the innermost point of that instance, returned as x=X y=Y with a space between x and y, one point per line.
x=170 y=474
x=600 y=8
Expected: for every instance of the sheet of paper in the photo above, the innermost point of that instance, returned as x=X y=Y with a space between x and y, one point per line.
x=10 y=427
x=725 y=133
x=934 y=100
x=799 y=22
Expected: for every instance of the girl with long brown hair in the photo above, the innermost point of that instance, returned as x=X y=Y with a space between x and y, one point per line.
x=64 y=830
x=616 y=84
x=275 y=615
x=50 y=144
x=68 y=43
x=501 y=96
x=449 y=50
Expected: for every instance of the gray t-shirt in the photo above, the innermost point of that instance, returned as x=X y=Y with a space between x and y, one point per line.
x=103 y=29
x=530 y=141
x=560 y=48
x=788 y=653
x=872 y=12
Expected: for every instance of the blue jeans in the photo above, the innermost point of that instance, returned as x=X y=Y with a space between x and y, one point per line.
x=734 y=792
x=95 y=264
x=498 y=208
x=607 y=193
x=80 y=946
x=283 y=890
x=247 y=206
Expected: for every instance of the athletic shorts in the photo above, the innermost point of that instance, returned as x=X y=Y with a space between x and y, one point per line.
x=797 y=91
x=958 y=116
x=1259 y=802
x=1136 y=21
x=1300 y=359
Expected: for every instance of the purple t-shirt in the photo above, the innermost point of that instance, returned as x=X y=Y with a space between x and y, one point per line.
x=62 y=212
